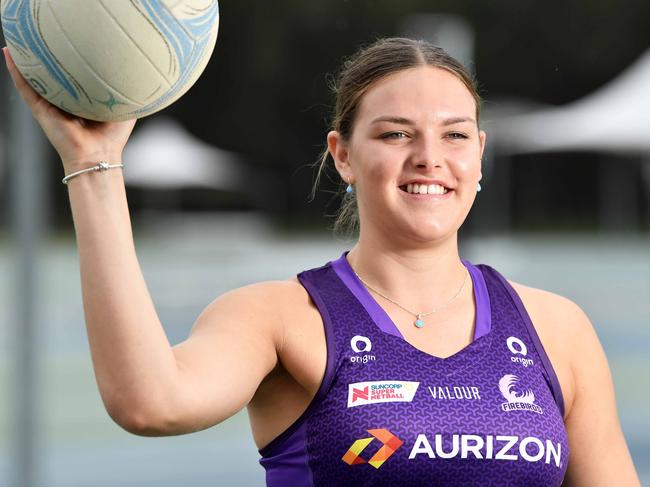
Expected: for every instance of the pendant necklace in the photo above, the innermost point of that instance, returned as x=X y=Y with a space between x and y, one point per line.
x=419 y=317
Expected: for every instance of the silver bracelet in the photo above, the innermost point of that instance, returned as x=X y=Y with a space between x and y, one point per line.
x=102 y=166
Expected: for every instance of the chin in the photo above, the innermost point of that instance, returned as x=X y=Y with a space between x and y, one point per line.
x=434 y=237
x=426 y=235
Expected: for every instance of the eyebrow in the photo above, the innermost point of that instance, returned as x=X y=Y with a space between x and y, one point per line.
x=454 y=120
x=388 y=118
x=406 y=121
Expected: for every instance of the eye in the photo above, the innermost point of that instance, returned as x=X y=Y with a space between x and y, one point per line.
x=394 y=135
x=457 y=135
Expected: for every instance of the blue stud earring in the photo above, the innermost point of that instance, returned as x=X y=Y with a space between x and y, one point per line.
x=478 y=186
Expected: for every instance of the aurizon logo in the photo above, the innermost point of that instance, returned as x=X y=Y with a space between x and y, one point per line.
x=390 y=444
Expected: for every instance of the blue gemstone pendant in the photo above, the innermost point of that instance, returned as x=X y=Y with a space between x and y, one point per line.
x=419 y=323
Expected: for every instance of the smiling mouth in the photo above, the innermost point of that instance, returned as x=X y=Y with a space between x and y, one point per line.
x=425 y=189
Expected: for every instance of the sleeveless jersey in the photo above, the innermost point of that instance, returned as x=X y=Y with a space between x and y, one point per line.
x=390 y=414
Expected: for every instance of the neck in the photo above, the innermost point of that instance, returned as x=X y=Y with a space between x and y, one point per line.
x=420 y=278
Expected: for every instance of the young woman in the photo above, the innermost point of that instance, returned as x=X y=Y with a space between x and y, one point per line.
x=397 y=363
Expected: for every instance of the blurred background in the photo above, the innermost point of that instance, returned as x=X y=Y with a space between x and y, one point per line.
x=219 y=187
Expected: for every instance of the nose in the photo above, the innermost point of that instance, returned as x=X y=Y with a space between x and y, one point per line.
x=426 y=153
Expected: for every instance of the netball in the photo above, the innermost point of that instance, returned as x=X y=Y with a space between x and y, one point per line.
x=109 y=60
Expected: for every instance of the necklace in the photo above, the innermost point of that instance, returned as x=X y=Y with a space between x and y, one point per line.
x=419 y=321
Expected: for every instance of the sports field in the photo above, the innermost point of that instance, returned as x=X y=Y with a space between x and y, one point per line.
x=189 y=261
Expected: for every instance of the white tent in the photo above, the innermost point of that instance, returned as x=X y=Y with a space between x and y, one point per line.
x=615 y=118
x=162 y=155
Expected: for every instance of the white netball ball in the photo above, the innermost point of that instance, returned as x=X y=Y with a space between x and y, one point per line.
x=111 y=59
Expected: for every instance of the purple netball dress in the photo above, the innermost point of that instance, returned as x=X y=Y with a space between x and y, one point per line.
x=389 y=414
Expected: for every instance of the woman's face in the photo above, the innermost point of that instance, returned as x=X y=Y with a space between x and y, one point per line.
x=415 y=126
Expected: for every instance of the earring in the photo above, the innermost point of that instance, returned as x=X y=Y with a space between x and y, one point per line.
x=349 y=189
x=478 y=187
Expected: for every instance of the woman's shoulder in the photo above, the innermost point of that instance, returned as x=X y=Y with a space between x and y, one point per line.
x=536 y=296
x=265 y=302
x=561 y=314
x=580 y=362
x=282 y=298
x=270 y=288
x=557 y=319
x=566 y=333
x=299 y=330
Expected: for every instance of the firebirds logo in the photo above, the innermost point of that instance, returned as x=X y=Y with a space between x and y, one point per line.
x=390 y=444
x=363 y=393
x=517 y=401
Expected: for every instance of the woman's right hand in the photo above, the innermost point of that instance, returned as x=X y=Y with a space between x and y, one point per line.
x=80 y=143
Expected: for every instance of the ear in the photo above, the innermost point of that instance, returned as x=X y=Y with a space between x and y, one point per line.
x=338 y=149
x=482 y=137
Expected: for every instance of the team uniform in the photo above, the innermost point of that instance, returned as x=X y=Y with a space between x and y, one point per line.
x=390 y=414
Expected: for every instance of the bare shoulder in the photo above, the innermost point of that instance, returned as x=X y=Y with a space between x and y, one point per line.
x=565 y=332
x=300 y=337
x=559 y=316
x=263 y=305
x=590 y=416
x=272 y=296
x=281 y=305
x=553 y=303
x=282 y=299
x=273 y=288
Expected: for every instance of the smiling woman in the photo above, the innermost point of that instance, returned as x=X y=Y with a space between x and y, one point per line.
x=359 y=372
x=369 y=66
x=415 y=127
x=406 y=140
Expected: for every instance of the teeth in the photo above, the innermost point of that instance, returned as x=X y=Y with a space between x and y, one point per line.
x=424 y=189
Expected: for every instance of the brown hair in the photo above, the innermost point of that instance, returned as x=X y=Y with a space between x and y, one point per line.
x=367 y=66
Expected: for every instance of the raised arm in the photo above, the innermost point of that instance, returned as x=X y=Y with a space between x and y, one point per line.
x=148 y=387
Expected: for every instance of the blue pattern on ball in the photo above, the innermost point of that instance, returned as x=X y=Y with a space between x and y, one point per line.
x=188 y=38
x=21 y=30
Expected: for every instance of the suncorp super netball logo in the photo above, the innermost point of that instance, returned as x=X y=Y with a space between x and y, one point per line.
x=362 y=393
x=390 y=444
